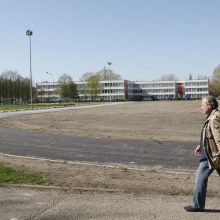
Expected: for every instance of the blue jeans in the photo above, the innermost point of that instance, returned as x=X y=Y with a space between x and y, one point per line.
x=201 y=182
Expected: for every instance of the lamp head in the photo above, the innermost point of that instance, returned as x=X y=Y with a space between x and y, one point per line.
x=29 y=32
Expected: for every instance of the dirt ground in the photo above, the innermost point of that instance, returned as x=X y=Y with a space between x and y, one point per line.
x=142 y=180
x=140 y=120
x=160 y=120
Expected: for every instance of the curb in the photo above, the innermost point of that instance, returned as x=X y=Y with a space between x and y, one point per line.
x=78 y=189
x=113 y=166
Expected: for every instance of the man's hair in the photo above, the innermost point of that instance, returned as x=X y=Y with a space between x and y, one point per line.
x=212 y=101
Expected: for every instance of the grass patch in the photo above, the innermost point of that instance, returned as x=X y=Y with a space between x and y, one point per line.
x=11 y=175
x=42 y=105
x=35 y=106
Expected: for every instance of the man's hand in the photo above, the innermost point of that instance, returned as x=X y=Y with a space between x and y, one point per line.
x=197 y=150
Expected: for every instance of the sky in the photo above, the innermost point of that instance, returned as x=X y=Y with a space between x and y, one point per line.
x=143 y=39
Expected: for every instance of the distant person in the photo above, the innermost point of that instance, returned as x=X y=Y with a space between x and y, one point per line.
x=209 y=152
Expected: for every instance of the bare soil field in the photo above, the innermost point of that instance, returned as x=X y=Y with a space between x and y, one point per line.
x=175 y=120
x=159 y=120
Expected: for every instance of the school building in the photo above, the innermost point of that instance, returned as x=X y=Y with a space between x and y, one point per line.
x=118 y=90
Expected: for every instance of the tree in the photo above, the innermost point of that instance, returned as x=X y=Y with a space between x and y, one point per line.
x=104 y=74
x=108 y=74
x=69 y=91
x=85 y=76
x=168 y=77
x=68 y=88
x=190 y=76
x=93 y=85
x=201 y=77
x=65 y=78
x=215 y=82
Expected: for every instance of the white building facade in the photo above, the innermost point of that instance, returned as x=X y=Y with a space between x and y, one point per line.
x=48 y=91
x=196 y=89
x=119 y=90
x=109 y=90
x=151 y=90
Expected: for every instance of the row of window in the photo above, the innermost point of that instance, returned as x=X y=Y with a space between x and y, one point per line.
x=112 y=91
x=196 y=96
x=153 y=85
x=196 y=84
x=45 y=87
x=134 y=91
x=160 y=90
x=196 y=89
x=115 y=98
x=113 y=84
x=43 y=93
x=157 y=85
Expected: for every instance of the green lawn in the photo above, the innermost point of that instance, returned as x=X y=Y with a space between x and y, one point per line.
x=10 y=175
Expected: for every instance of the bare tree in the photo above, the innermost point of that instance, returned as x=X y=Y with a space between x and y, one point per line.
x=168 y=77
x=190 y=77
x=86 y=75
x=104 y=74
x=108 y=74
x=200 y=77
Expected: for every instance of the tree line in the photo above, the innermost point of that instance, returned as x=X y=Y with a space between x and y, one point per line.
x=16 y=89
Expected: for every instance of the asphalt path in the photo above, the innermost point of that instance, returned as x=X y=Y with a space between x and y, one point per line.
x=38 y=204
x=167 y=154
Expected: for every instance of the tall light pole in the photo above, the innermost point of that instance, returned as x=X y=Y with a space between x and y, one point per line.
x=30 y=33
x=53 y=85
x=109 y=63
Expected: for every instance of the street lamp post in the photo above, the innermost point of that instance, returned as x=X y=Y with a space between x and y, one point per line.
x=109 y=63
x=53 y=85
x=30 y=33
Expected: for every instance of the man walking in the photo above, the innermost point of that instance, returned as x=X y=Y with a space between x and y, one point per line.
x=209 y=152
